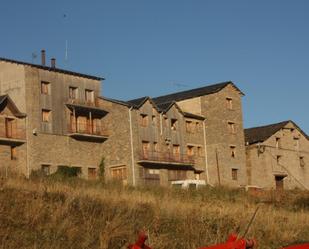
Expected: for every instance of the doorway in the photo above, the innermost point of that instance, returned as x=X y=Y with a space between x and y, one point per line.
x=279 y=182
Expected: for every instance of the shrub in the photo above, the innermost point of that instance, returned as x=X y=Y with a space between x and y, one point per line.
x=66 y=171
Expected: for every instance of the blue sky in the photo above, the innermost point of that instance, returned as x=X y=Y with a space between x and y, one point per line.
x=157 y=47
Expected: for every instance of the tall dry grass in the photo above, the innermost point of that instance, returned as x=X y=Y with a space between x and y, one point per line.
x=48 y=213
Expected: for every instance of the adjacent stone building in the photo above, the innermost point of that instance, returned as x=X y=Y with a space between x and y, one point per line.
x=277 y=156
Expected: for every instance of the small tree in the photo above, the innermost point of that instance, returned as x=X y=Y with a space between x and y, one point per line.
x=102 y=169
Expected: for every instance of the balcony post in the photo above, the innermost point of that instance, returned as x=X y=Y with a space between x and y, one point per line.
x=91 y=123
x=75 y=120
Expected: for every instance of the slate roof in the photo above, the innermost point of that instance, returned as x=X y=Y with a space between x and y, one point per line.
x=2 y=98
x=58 y=70
x=117 y=101
x=262 y=133
x=192 y=115
x=197 y=92
x=163 y=103
x=139 y=101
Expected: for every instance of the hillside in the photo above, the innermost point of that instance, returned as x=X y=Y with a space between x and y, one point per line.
x=50 y=214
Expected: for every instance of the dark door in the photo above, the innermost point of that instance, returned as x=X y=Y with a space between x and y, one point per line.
x=279 y=182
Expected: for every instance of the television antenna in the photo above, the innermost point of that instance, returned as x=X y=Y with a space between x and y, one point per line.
x=33 y=57
x=179 y=85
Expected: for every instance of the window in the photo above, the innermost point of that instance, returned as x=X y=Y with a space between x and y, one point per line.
x=46 y=115
x=154 y=120
x=278 y=158
x=231 y=126
x=302 y=161
x=234 y=174
x=176 y=175
x=89 y=96
x=190 y=150
x=296 y=143
x=191 y=126
x=197 y=126
x=166 y=121
x=45 y=168
x=92 y=173
x=73 y=92
x=278 y=142
x=150 y=176
x=155 y=147
x=176 y=151
x=144 y=120
x=119 y=173
x=173 y=124
x=199 y=151
x=229 y=103
x=45 y=87
x=233 y=151
x=10 y=127
x=13 y=153
x=145 y=147
x=154 y=171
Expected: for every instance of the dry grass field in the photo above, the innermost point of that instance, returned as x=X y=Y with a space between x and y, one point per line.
x=55 y=214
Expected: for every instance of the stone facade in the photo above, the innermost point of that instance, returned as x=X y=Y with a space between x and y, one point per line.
x=280 y=161
x=144 y=147
x=146 y=143
x=224 y=134
x=192 y=135
x=64 y=123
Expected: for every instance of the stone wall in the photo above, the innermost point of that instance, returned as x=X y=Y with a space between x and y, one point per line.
x=117 y=149
x=219 y=138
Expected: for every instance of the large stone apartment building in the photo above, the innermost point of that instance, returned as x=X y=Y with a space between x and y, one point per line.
x=63 y=121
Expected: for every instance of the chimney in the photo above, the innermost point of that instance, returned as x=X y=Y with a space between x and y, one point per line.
x=53 y=63
x=43 y=61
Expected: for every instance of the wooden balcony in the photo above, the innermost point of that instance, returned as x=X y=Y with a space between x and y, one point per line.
x=13 y=136
x=82 y=102
x=87 y=131
x=165 y=158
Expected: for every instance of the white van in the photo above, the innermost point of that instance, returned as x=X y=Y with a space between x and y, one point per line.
x=189 y=184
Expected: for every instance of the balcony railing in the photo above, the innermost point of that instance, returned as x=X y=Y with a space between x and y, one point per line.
x=18 y=134
x=85 y=128
x=83 y=102
x=166 y=157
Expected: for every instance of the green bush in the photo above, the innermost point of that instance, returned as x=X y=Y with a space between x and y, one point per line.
x=66 y=171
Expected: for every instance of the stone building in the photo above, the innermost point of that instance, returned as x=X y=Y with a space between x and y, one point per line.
x=195 y=134
x=152 y=144
x=221 y=105
x=64 y=122
x=277 y=156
